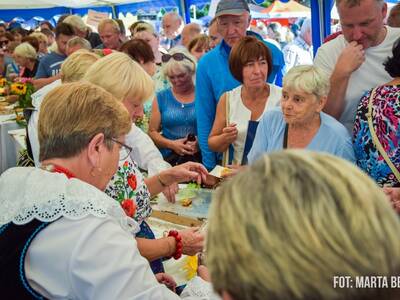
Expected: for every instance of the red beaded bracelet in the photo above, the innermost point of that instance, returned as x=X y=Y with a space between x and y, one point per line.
x=179 y=244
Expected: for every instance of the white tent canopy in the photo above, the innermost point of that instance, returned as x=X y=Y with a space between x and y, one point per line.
x=29 y=4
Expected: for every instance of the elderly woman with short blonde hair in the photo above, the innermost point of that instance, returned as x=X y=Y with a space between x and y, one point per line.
x=27 y=58
x=300 y=122
x=131 y=85
x=312 y=218
x=173 y=116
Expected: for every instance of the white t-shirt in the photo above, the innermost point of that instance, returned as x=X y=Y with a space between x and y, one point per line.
x=240 y=114
x=369 y=75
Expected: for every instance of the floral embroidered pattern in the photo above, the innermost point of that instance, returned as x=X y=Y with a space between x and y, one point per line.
x=128 y=188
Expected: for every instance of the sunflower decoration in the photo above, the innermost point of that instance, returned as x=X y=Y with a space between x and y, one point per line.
x=18 y=88
x=24 y=89
x=3 y=82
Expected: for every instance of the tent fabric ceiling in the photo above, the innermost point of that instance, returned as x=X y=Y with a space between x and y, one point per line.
x=30 y=4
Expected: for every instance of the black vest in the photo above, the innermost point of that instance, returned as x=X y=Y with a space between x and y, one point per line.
x=14 y=243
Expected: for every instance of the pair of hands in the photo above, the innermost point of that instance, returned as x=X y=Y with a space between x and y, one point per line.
x=185 y=147
x=189 y=171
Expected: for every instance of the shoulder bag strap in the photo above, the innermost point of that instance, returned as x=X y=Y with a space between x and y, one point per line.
x=225 y=156
x=376 y=141
x=285 y=136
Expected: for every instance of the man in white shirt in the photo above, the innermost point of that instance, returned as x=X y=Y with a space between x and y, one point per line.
x=354 y=59
x=299 y=52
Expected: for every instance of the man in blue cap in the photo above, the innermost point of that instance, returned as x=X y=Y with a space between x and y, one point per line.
x=213 y=76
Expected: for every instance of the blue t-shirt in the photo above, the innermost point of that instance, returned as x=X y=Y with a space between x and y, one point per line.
x=177 y=119
x=50 y=65
x=332 y=137
x=213 y=78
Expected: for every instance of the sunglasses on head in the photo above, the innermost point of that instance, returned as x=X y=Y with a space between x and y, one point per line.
x=177 y=56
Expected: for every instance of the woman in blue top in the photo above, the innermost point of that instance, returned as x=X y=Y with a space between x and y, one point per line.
x=300 y=122
x=173 y=119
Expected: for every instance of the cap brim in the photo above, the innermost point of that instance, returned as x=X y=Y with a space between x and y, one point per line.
x=233 y=12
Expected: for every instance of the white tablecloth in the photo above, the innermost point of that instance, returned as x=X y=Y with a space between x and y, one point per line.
x=8 y=157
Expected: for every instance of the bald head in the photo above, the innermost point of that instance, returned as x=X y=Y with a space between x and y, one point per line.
x=189 y=32
x=172 y=25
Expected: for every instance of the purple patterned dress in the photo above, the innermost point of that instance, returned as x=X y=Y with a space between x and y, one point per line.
x=386 y=119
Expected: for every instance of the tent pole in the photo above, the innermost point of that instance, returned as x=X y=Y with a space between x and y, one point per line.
x=184 y=10
x=114 y=12
x=321 y=21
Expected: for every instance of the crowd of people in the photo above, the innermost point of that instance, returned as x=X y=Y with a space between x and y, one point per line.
x=118 y=120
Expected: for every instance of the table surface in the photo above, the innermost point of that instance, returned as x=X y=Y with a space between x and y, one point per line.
x=8 y=154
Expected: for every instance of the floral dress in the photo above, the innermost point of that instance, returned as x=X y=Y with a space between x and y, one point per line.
x=127 y=186
x=386 y=118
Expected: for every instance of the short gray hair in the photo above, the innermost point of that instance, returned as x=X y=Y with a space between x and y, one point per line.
x=307 y=78
x=76 y=22
x=26 y=50
x=84 y=43
x=184 y=65
x=306 y=26
x=285 y=227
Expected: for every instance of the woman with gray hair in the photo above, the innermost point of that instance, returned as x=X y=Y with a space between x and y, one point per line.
x=173 y=118
x=300 y=122
x=26 y=57
x=312 y=218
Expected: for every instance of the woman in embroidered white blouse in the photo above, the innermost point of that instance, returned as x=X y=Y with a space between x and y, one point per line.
x=86 y=251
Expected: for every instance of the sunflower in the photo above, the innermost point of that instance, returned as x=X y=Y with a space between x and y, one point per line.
x=18 y=88
x=3 y=82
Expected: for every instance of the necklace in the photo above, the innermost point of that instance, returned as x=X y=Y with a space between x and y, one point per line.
x=58 y=169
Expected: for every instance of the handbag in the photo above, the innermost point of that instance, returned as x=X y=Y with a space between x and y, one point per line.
x=376 y=141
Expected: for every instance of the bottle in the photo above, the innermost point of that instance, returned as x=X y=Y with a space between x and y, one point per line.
x=190 y=137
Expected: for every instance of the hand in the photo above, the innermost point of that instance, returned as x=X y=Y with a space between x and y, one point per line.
x=230 y=133
x=166 y=279
x=203 y=273
x=350 y=59
x=189 y=171
x=194 y=146
x=394 y=196
x=234 y=169
x=192 y=241
x=170 y=192
x=180 y=147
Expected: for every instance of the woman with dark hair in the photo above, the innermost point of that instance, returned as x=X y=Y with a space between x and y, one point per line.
x=240 y=109
x=376 y=132
x=141 y=52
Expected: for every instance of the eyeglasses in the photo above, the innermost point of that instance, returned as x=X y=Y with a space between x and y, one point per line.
x=177 y=56
x=127 y=149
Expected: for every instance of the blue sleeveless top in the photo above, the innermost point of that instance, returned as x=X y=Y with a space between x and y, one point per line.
x=177 y=119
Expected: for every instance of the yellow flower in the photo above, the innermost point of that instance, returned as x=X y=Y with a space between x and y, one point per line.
x=190 y=266
x=18 y=88
x=3 y=82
